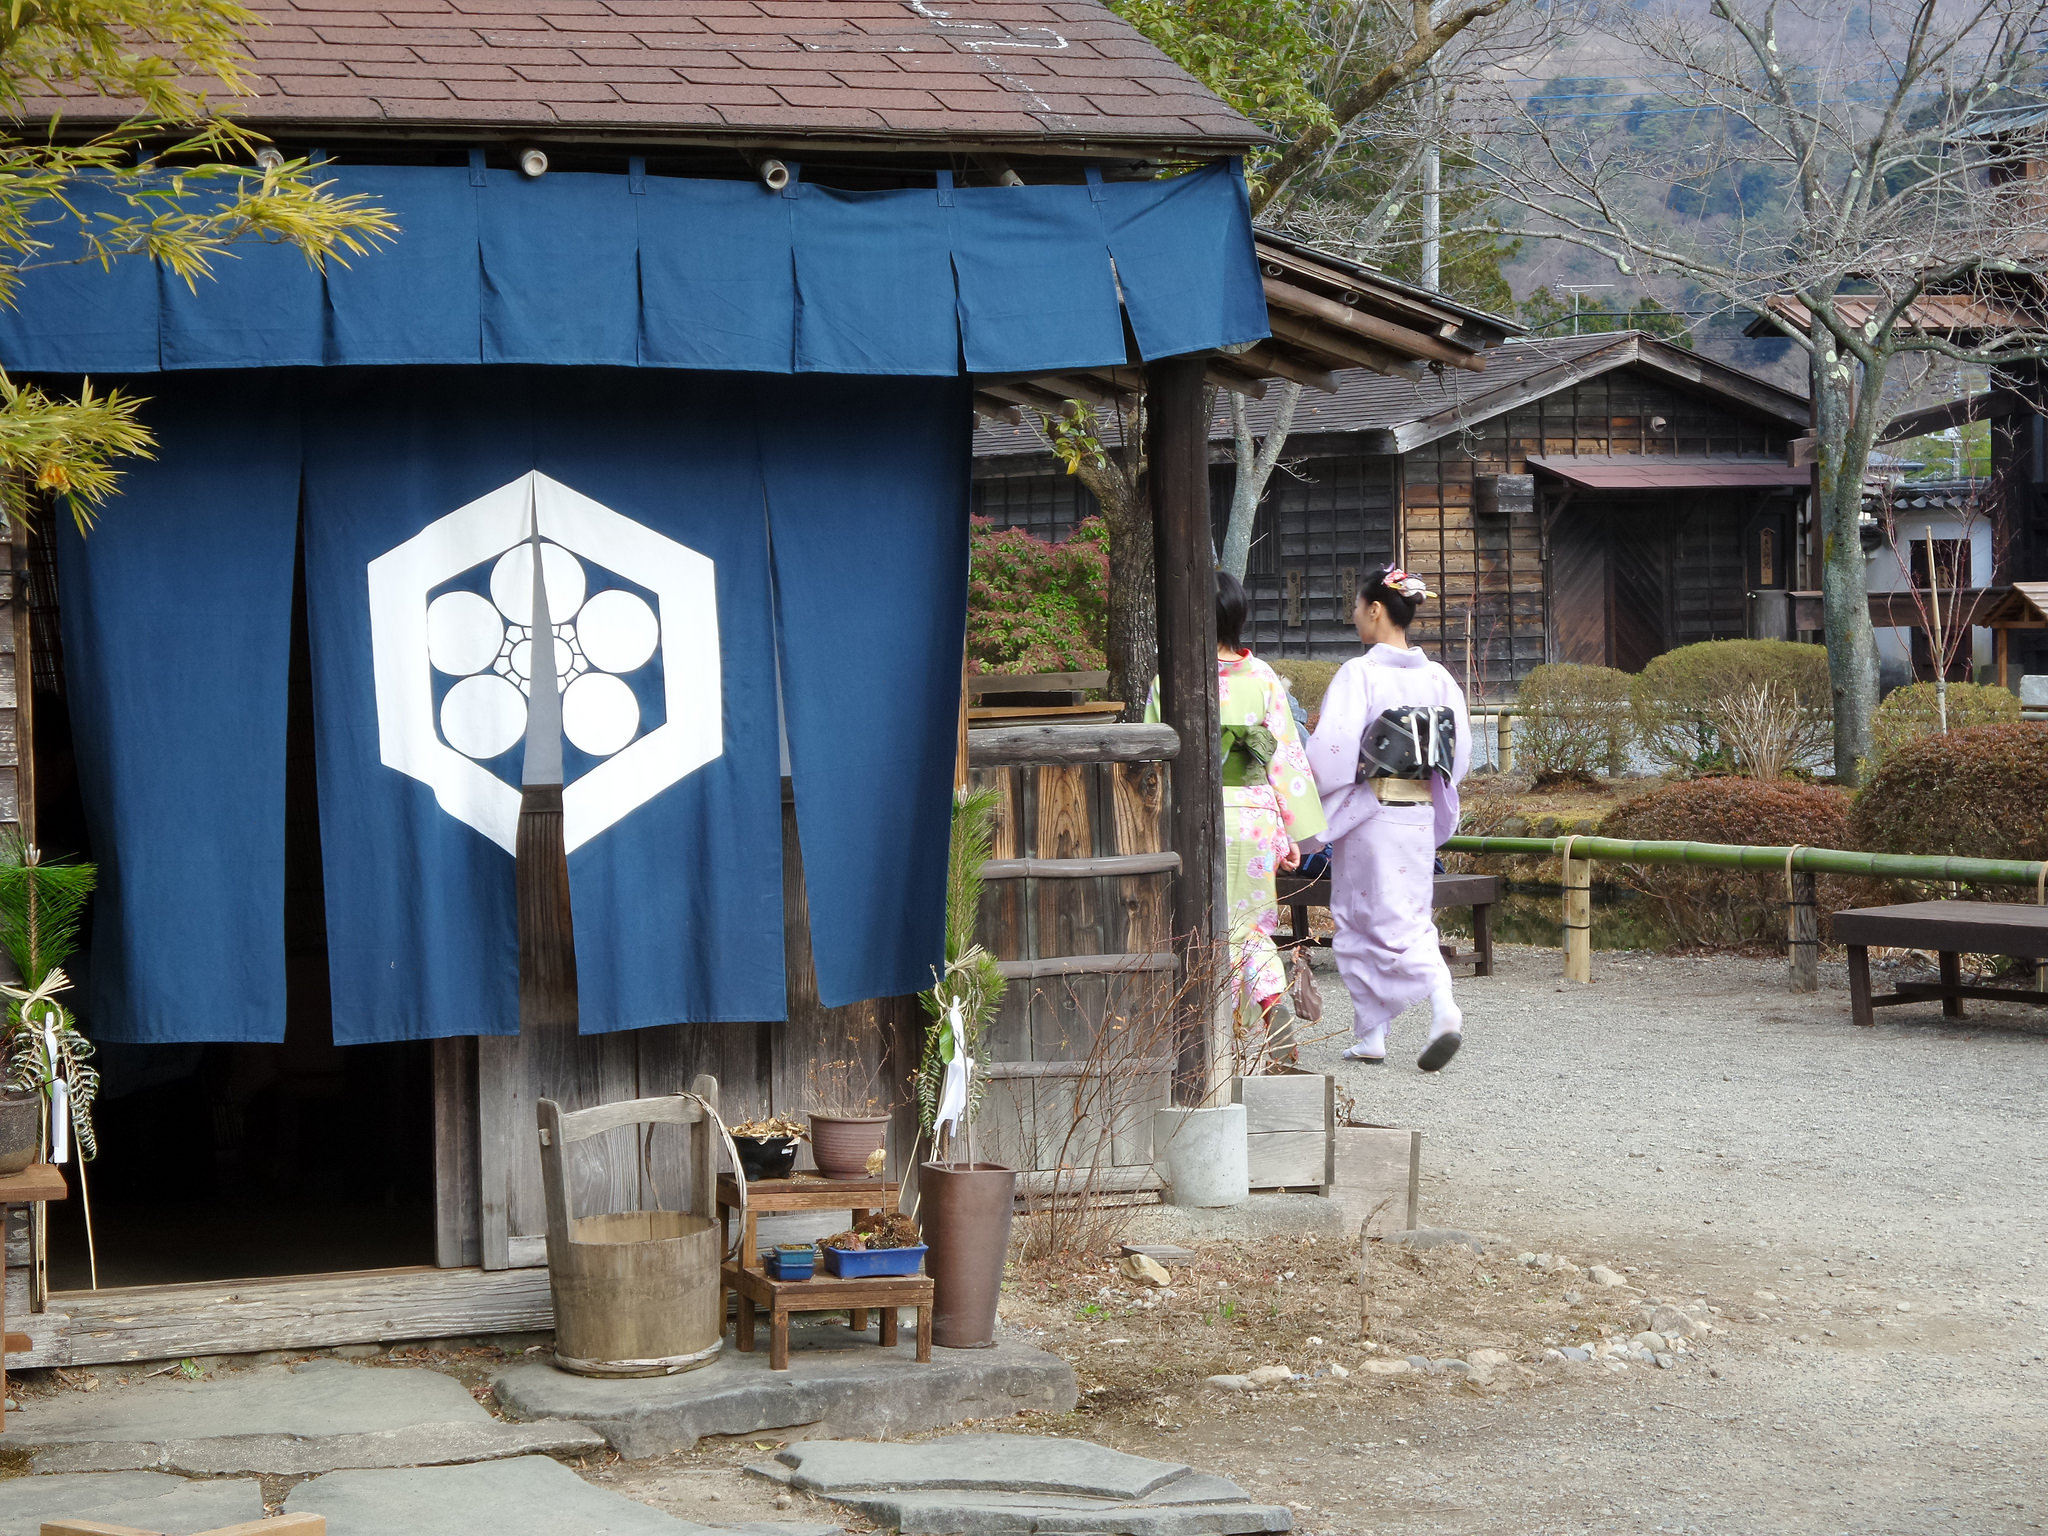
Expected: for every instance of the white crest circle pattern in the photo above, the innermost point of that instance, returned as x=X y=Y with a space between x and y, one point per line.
x=485 y=645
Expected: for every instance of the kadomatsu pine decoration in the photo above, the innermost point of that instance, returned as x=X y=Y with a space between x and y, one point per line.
x=41 y=1049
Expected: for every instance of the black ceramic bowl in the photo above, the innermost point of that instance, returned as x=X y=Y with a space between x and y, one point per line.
x=766 y=1157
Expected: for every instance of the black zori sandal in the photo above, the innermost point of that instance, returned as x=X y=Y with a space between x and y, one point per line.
x=1438 y=1053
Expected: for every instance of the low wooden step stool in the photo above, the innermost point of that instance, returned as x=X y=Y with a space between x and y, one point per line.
x=827 y=1293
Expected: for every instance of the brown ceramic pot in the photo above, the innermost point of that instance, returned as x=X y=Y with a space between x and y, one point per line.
x=843 y=1146
x=964 y=1209
x=21 y=1129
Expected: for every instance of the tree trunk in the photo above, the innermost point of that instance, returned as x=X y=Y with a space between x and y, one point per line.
x=1133 y=590
x=1254 y=470
x=1852 y=643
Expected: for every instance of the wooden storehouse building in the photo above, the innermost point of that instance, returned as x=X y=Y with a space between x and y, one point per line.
x=1595 y=499
x=677 y=355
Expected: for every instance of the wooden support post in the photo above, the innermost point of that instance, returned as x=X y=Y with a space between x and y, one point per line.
x=1185 y=562
x=1578 y=919
x=1802 y=933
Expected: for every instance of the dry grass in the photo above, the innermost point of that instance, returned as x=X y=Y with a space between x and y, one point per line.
x=1144 y=1356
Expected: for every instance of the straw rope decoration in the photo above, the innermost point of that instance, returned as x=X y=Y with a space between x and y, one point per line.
x=1568 y=923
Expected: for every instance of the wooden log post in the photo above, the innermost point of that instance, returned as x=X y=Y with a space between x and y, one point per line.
x=1185 y=561
x=1578 y=918
x=1802 y=932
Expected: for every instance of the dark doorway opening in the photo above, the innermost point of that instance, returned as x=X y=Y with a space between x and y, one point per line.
x=234 y=1161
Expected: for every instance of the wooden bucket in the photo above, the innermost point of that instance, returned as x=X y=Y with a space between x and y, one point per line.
x=636 y=1293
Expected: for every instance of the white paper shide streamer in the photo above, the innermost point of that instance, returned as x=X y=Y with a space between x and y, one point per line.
x=60 y=1094
x=952 y=1109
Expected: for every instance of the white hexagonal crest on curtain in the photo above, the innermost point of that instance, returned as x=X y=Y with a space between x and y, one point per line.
x=634 y=617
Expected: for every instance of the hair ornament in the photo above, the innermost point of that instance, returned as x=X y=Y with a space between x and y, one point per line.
x=1411 y=587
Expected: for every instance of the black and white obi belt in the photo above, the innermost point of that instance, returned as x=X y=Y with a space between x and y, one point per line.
x=1410 y=741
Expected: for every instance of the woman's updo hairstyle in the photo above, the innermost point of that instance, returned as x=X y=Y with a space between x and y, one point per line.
x=1231 y=608
x=1398 y=592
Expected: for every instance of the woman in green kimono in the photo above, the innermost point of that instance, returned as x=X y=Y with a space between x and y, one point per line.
x=1270 y=807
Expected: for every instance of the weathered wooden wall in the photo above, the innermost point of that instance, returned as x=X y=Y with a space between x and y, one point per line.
x=762 y=1068
x=1075 y=908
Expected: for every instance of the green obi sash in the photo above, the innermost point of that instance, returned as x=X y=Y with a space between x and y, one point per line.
x=1247 y=754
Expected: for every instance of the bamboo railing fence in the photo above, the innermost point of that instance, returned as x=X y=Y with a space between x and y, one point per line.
x=1801 y=865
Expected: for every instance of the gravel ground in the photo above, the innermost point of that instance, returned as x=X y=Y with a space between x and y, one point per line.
x=1873 y=1198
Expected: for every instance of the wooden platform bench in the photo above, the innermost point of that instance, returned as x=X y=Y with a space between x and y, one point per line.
x=1479 y=892
x=1951 y=929
x=826 y=1293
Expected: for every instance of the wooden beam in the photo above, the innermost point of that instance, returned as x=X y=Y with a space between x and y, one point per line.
x=1398 y=338
x=1088 y=965
x=1185 y=559
x=1352 y=351
x=1271 y=359
x=1082 y=386
x=998 y=410
x=1236 y=382
x=235 y=1317
x=1076 y=869
x=1005 y=746
x=275 y=1525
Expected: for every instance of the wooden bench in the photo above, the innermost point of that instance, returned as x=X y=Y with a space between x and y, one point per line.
x=827 y=1293
x=1479 y=892
x=1951 y=929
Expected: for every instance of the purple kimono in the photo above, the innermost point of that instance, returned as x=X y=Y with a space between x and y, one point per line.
x=1383 y=857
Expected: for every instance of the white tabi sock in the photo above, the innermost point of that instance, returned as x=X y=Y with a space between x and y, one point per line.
x=1372 y=1043
x=1445 y=1016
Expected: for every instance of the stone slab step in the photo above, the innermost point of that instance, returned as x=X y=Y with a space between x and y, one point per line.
x=1020 y=1485
x=148 y=1500
x=529 y=1496
x=996 y=1514
x=419 y=1445
x=312 y=1398
x=841 y=1382
x=1013 y=1463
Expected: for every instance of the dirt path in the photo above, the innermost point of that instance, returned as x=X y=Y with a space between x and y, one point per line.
x=1864 y=1208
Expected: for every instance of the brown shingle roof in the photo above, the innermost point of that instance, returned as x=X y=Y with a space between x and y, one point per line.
x=1028 y=73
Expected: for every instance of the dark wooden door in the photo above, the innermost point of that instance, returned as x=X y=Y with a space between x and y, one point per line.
x=1638 y=566
x=1578 y=586
x=1610 y=565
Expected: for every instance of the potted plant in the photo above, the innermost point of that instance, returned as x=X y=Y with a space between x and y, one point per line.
x=849 y=1121
x=875 y=1245
x=49 y=1084
x=964 y=1208
x=767 y=1148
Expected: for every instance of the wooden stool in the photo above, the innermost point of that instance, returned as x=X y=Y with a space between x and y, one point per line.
x=825 y=1293
x=38 y=1181
x=799 y=1192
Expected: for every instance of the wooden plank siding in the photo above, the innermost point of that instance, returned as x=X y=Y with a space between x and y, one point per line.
x=1046 y=1114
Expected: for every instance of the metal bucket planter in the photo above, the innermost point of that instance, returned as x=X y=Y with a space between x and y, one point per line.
x=964 y=1211
x=636 y=1293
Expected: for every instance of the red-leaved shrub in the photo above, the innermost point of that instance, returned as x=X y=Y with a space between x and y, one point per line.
x=1980 y=793
x=1731 y=907
x=1038 y=607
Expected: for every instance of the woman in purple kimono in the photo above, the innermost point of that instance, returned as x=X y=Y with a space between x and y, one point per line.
x=1389 y=783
